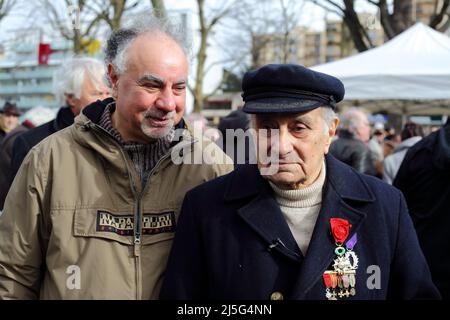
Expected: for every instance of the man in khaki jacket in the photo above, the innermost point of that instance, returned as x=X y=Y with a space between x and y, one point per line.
x=92 y=211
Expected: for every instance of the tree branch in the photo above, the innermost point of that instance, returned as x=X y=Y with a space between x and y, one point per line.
x=437 y=18
x=339 y=13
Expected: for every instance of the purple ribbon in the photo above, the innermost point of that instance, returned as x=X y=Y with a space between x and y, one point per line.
x=352 y=242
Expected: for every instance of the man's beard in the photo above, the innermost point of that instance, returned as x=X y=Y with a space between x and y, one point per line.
x=156 y=132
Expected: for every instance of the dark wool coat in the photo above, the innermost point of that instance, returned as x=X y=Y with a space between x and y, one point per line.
x=226 y=228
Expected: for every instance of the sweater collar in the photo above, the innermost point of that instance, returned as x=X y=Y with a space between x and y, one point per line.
x=302 y=198
x=247 y=182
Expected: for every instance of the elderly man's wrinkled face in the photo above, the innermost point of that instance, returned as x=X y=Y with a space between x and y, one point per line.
x=151 y=93
x=301 y=143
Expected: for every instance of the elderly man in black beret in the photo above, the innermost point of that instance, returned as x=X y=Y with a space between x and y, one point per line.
x=299 y=224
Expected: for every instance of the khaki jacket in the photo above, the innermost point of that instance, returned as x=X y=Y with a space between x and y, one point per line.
x=68 y=229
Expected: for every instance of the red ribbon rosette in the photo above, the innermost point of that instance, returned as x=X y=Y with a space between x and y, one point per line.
x=340 y=228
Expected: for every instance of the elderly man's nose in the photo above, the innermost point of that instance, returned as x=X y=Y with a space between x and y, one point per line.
x=166 y=101
x=284 y=143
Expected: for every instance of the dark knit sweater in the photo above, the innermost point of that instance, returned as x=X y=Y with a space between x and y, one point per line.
x=143 y=156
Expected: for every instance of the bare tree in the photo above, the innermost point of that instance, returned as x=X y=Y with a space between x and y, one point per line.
x=269 y=26
x=112 y=11
x=5 y=7
x=289 y=20
x=74 y=20
x=159 y=8
x=395 y=17
x=208 y=21
x=248 y=27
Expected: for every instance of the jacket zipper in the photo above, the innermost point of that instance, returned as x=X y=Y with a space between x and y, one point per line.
x=137 y=198
x=137 y=233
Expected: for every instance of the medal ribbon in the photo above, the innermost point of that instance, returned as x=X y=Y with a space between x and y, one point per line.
x=351 y=242
x=327 y=280
x=340 y=228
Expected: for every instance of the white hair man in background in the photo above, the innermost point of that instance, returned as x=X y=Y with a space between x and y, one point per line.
x=351 y=146
x=77 y=83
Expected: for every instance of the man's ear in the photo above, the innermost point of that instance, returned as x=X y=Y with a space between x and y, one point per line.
x=331 y=133
x=114 y=79
x=70 y=99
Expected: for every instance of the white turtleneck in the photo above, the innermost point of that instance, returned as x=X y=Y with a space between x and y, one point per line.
x=301 y=208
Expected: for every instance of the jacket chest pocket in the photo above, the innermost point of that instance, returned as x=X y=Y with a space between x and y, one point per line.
x=104 y=224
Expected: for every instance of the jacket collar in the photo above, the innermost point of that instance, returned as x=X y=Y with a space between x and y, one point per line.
x=88 y=120
x=94 y=112
x=63 y=119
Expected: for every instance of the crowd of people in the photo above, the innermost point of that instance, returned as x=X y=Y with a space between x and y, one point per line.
x=105 y=202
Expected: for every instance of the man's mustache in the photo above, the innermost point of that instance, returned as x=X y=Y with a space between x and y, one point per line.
x=158 y=114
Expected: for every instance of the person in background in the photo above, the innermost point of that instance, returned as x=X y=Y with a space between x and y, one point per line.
x=351 y=145
x=77 y=83
x=376 y=147
x=234 y=121
x=31 y=119
x=200 y=123
x=411 y=134
x=424 y=179
x=9 y=118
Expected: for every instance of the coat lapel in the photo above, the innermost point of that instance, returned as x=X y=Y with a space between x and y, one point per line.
x=342 y=183
x=264 y=216
x=262 y=213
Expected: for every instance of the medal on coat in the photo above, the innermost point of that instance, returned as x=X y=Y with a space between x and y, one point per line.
x=341 y=281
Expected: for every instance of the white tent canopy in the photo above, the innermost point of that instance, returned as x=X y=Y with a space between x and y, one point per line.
x=415 y=65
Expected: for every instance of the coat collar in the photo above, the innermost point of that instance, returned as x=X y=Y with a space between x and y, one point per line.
x=264 y=216
x=63 y=119
x=343 y=187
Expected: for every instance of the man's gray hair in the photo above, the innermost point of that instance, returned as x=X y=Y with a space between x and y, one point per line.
x=68 y=79
x=120 y=40
x=328 y=115
x=352 y=119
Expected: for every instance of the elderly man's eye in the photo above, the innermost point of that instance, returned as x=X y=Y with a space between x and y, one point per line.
x=299 y=128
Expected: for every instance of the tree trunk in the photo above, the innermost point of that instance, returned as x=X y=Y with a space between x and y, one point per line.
x=159 y=8
x=77 y=47
x=201 y=59
x=402 y=17
x=440 y=14
x=356 y=29
x=119 y=7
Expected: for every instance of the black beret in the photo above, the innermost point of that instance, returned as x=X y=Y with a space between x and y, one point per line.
x=289 y=88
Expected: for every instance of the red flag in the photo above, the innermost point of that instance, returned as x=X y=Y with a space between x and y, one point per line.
x=44 y=53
